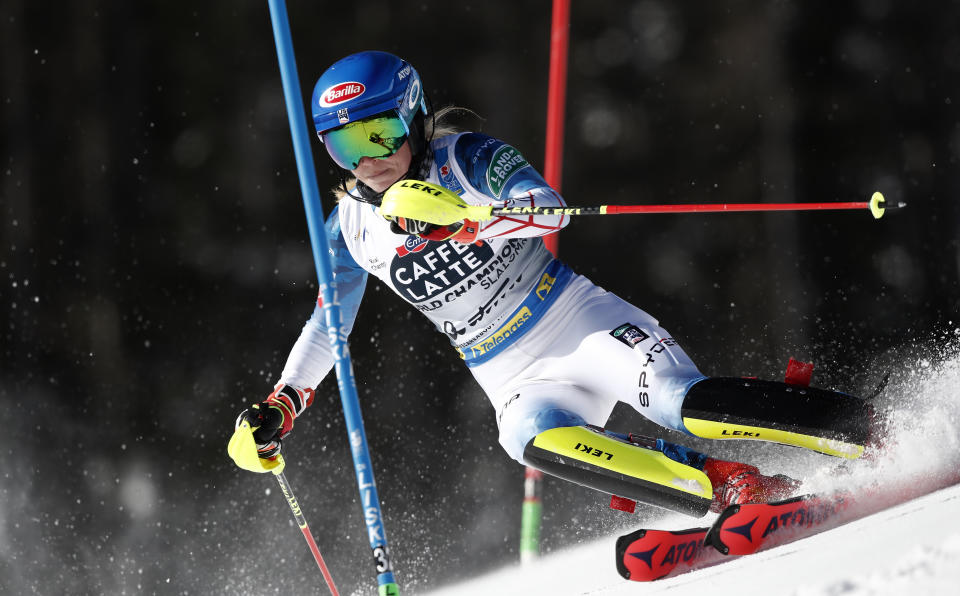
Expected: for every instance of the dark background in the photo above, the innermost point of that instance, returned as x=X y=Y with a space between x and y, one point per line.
x=156 y=268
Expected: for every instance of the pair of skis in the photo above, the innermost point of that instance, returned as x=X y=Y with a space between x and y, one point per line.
x=647 y=555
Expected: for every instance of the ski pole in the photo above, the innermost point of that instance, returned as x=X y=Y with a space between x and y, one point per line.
x=302 y=522
x=350 y=401
x=242 y=448
x=435 y=204
x=877 y=205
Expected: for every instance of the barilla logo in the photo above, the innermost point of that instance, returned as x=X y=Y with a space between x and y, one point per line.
x=411 y=245
x=341 y=93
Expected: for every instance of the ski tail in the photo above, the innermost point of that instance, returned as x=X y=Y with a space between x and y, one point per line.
x=648 y=555
x=745 y=529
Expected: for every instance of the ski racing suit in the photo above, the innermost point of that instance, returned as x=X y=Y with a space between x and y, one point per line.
x=553 y=352
x=548 y=347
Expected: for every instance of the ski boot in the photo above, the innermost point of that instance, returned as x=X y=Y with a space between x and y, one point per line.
x=735 y=483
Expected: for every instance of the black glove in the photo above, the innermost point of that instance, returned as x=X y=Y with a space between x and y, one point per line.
x=272 y=419
x=267 y=424
x=410 y=227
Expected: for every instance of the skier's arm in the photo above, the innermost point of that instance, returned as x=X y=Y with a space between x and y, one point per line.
x=500 y=172
x=311 y=357
x=505 y=179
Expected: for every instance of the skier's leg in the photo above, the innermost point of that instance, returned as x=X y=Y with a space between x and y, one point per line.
x=551 y=426
x=733 y=408
x=620 y=351
x=628 y=355
x=556 y=386
x=543 y=429
x=544 y=391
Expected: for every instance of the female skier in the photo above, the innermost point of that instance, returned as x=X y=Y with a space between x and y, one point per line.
x=552 y=351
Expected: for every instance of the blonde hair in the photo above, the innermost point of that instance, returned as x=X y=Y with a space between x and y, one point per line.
x=448 y=120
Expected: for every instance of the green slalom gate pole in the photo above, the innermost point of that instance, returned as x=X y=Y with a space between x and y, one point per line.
x=369 y=498
x=531 y=515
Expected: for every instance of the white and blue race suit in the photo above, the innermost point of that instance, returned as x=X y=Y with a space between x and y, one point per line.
x=548 y=346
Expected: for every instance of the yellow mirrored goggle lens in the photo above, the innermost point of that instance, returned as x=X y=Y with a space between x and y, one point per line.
x=378 y=137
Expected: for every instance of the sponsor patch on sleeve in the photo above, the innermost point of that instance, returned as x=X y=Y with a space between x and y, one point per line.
x=506 y=162
x=629 y=334
x=447 y=178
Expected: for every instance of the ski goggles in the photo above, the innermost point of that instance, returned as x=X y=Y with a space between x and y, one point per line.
x=377 y=136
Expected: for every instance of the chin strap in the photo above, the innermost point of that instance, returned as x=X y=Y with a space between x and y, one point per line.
x=367 y=194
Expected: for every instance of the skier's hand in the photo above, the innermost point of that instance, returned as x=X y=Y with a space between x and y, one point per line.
x=272 y=419
x=410 y=227
x=464 y=232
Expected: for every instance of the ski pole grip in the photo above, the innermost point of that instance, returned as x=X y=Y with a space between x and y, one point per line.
x=242 y=449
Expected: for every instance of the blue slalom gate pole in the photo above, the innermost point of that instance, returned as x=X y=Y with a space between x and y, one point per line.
x=369 y=499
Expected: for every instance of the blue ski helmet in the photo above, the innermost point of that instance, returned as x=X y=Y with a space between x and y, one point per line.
x=364 y=84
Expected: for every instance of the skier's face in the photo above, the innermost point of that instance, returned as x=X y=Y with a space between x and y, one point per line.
x=380 y=172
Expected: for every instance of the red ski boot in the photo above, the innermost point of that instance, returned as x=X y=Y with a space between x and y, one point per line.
x=735 y=483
